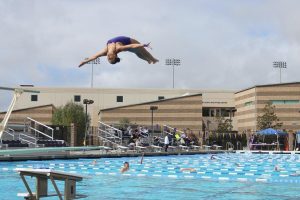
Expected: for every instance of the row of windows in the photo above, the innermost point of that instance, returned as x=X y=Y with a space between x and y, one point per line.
x=285 y=101
x=77 y=98
x=217 y=112
x=276 y=102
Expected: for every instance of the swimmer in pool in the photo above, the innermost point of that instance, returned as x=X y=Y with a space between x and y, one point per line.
x=125 y=167
x=297 y=173
x=94 y=162
x=120 y=44
x=142 y=158
x=213 y=157
x=187 y=169
x=276 y=168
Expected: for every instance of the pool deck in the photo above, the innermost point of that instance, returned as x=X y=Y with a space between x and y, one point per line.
x=98 y=154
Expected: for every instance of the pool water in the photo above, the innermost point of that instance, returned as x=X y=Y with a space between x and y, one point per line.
x=229 y=176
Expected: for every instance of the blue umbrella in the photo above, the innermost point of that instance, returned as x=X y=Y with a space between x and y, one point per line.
x=271 y=131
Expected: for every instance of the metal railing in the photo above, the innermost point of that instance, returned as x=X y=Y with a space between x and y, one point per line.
x=239 y=145
x=21 y=135
x=33 y=126
x=229 y=146
x=166 y=127
x=110 y=134
x=9 y=131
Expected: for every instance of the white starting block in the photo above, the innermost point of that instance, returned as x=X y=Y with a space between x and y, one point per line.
x=183 y=148
x=122 y=148
x=156 y=148
x=195 y=147
x=140 y=148
x=206 y=147
x=42 y=176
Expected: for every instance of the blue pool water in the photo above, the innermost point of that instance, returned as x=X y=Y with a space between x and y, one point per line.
x=229 y=176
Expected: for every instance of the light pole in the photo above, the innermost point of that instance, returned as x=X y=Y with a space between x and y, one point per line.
x=280 y=65
x=152 y=108
x=86 y=102
x=96 y=61
x=173 y=62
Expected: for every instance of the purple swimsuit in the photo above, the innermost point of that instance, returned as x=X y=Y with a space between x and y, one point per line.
x=123 y=39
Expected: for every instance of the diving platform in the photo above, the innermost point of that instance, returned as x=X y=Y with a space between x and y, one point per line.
x=41 y=187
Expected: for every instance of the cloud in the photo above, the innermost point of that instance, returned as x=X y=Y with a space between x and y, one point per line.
x=224 y=45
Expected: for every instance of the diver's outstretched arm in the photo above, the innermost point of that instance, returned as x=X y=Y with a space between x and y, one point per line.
x=97 y=55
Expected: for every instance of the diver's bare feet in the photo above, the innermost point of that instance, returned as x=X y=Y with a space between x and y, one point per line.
x=155 y=61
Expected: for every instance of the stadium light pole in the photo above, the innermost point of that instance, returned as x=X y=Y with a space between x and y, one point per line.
x=173 y=62
x=86 y=102
x=96 y=62
x=280 y=65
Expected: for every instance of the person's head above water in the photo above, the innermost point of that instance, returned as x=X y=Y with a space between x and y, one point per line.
x=126 y=164
x=113 y=58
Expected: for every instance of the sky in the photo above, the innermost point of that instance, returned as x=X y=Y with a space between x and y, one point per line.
x=228 y=44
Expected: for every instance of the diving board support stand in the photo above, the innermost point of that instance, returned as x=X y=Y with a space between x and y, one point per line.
x=17 y=93
x=42 y=176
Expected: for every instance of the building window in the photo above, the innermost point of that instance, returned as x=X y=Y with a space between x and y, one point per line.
x=249 y=103
x=285 y=101
x=205 y=112
x=119 y=98
x=77 y=98
x=34 y=97
x=161 y=97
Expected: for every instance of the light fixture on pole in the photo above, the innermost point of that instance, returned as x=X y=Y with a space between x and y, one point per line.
x=86 y=102
x=96 y=62
x=280 y=65
x=173 y=62
x=152 y=108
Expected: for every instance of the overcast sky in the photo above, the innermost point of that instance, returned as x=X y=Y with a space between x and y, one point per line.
x=222 y=44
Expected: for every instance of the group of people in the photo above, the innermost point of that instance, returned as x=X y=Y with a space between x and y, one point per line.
x=136 y=136
x=186 y=138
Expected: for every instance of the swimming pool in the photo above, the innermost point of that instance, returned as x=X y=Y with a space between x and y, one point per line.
x=229 y=176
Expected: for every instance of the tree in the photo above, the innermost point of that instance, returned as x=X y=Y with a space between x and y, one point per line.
x=124 y=122
x=224 y=125
x=71 y=113
x=269 y=119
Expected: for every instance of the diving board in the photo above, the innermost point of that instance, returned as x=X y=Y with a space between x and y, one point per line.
x=42 y=176
x=17 y=93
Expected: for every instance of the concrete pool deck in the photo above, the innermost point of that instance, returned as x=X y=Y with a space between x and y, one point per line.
x=96 y=154
x=100 y=152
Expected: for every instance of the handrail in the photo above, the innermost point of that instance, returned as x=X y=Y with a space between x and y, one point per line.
x=109 y=134
x=238 y=144
x=22 y=139
x=229 y=145
x=40 y=123
x=40 y=132
x=108 y=140
x=169 y=127
x=102 y=129
x=36 y=130
x=109 y=126
x=8 y=131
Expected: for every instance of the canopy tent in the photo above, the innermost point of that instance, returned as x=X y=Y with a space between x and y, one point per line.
x=271 y=131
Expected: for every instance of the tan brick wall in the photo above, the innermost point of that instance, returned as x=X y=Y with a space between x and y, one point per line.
x=287 y=113
x=183 y=112
x=42 y=114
